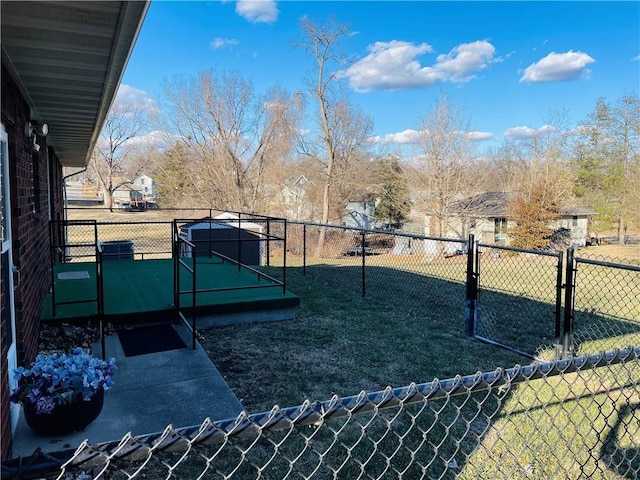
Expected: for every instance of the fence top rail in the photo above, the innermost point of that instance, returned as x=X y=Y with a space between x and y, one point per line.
x=87 y=222
x=203 y=209
x=231 y=224
x=416 y=236
x=131 y=448
x=621 y=266
x=111 y=222
x=520 y=250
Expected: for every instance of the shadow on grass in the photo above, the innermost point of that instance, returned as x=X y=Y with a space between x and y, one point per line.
x=598 y=332
x=408 y=327
x=516 y=321
x=620 y=448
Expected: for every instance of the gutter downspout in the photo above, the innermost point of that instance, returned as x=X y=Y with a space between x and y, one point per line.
x=64 y=189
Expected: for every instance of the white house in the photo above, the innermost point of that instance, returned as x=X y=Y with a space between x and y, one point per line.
x=360 y=215
x=147 y=186
x=486 y=217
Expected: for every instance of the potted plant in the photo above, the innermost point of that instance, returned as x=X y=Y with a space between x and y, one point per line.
x=63 y=393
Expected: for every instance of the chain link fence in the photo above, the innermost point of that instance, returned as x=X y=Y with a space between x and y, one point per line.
x=573 y=418
x=606 y=303
x=426 y=272
x=519 y=299
x=576 y=418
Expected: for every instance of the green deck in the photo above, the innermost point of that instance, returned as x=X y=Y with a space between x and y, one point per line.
x=142 y=290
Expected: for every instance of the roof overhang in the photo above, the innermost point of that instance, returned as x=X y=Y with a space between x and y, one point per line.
x=68 y=59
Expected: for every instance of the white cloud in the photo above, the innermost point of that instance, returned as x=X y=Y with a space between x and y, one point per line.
x=258 y=11
x=219 y=42
x=155 y=138
x=129 y=94
x=558 y=67
x=405 y=137
x=526 y=133
x=636 y=59
x=464 y=60
x=392 y=66
x=479 y=136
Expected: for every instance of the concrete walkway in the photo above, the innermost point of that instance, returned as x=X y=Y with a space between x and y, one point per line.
x=178 y=387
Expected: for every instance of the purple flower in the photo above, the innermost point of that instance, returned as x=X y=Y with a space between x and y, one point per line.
x=57 y=379
x=45 y=405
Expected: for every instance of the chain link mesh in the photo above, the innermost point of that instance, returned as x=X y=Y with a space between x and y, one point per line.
x=517 y=298
x=429 y=272
x=576 y=418
x=606 y=303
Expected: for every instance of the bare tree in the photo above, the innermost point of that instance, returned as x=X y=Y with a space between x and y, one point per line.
x=118 y=157
x=540 y=182
x=344 y=128
x=445 y=165
x=233 y=134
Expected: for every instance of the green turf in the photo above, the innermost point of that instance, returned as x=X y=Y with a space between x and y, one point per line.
x=145 y=288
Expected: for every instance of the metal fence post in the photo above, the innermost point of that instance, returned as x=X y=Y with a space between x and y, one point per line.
x=284 y=260
x=471 y=303
x=304 y=250
x=559 y=287
x=239 y=241
x=567 y=331
x=362 y=244
x=269 y=242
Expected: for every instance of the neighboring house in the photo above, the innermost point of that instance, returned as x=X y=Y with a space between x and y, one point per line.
x=294 y=199
x=61 y=65
x=83 y=193
x=147 y=186
x=486 y=217
x=360 y=215
x=126 y=196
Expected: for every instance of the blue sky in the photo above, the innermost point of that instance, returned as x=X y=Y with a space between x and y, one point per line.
x=508 y=65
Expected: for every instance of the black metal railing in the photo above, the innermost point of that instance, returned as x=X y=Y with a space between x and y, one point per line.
x=61 y=252
x=178 y=265
x=534 y=302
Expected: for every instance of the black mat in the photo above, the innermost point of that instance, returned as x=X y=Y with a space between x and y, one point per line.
x=150 y=339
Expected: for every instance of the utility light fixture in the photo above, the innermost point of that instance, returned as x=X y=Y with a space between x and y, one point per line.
x=33 y=130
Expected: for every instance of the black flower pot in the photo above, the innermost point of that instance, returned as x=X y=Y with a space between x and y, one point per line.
x=65 y=418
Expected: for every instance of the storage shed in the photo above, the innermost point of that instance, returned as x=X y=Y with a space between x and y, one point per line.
x=240 y=244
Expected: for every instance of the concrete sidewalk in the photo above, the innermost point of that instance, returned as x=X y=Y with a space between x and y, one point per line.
x=177 y=387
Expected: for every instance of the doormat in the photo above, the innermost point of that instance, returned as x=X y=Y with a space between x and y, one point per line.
x=75 y=275
x=151 y=339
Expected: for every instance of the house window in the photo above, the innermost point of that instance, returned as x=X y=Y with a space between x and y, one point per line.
x=574 y=222
x=500 y=230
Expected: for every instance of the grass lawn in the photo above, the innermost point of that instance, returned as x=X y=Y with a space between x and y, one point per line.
x=409 y=328
x=342 y=344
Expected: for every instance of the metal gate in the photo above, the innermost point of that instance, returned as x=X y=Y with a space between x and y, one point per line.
x=519 y=299
x=602 y=305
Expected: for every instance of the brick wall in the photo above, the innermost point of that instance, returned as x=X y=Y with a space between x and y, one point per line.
x=29 y=176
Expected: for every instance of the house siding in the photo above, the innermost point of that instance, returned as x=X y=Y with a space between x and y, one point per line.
x=36 y=193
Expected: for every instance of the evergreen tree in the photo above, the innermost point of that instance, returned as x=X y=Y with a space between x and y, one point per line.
x=606 y=164
x=392 y=192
